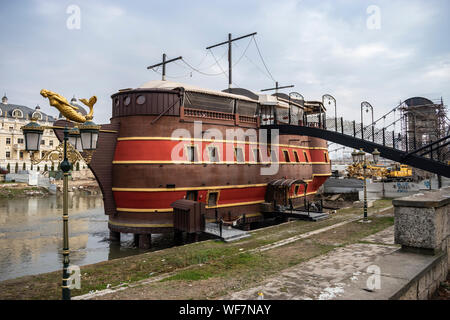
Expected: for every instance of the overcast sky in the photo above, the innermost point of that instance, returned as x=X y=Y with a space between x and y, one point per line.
x=321 y=47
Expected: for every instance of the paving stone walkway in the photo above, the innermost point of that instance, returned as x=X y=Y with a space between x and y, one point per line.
x=323 y=277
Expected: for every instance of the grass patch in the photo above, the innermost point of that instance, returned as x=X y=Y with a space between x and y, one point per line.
x=190 y=275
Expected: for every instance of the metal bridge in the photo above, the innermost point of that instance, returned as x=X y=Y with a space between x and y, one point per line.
x=414 y=158
x=417 y=137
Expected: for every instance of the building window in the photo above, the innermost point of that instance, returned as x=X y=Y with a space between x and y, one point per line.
x=297 y=159
x=8 y=140
x=213 y=198
x=286 y=156
x=8 y=154
x=20 y=140
x=192 y=153
x=11 y=129
x=37 y=115
x=21 y=154
x=43 y=142
x=213 y=154
x=256 y=155
x=306 y=156
x=239 y=155
x=17 y=113
x=51 y=143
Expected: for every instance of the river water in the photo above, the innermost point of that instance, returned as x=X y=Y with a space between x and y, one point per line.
x=31 y=235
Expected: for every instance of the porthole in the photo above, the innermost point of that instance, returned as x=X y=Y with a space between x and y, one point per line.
x=127 y=101
x=140 y=100
x=117 y=102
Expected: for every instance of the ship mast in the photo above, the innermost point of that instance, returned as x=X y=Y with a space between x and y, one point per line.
x=277 y=87
x=163 y=63
x=230 y=40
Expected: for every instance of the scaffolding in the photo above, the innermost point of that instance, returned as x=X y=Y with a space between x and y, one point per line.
x=423 y=122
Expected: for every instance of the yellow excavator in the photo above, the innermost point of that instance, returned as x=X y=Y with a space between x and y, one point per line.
x=400 y=172
x=397 y=172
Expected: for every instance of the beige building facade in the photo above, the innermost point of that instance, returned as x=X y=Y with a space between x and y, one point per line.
x=12 y=143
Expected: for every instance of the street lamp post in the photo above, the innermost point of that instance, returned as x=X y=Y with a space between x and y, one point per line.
x=297 y=96
x=331 y=98
x=67 y=152
x=360 y=162
x=366 y=106
x=65 y=168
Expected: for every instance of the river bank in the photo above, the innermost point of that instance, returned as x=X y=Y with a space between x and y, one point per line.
x=17 y=190
x=12 y=190
x=210 y=269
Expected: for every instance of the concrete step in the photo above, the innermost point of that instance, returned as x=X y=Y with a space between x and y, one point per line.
x=228 y=234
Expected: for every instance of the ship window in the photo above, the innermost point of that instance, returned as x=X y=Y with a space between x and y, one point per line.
x=297 y=188
x=297 y=159
x=286 y=156
x=203 y=101
x=117 y=102
x=239 y=155
x=127 y=101
x=326 y=156
x=213 y=198
x=192 y=195
x=246 y=108
x=256 y=155
x=140 y=99
x=192 y=153
x=213 y=154
x=306 y=156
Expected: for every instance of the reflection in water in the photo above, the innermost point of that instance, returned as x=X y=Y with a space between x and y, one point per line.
x=31 y=235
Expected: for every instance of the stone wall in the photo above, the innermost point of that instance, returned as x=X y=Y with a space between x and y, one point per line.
x=422 y=225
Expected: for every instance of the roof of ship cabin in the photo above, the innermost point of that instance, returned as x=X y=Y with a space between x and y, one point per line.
x=170 y=85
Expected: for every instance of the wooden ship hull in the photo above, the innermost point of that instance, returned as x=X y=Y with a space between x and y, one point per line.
x=140 y=178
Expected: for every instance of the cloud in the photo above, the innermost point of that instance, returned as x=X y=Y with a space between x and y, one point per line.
x=320 y=46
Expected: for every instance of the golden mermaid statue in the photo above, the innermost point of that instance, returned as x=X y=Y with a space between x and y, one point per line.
x=68 y=110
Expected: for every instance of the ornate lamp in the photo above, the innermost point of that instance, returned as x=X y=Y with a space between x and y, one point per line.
x=89 y=135
x=376 y=155
x=361 y=154
x=355 y=156
x=75 y=139
x=33 y=132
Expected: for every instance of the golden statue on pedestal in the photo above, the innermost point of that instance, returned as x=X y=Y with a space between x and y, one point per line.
x=68 y=110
